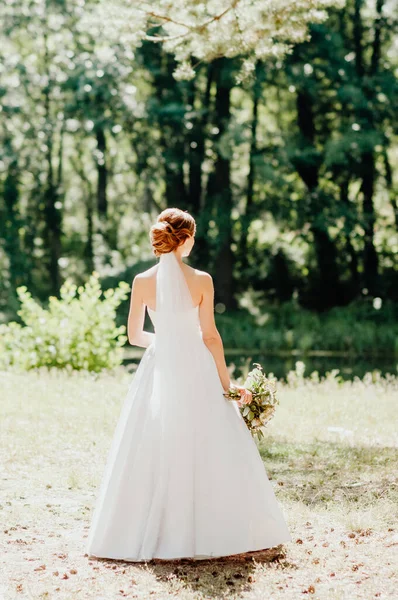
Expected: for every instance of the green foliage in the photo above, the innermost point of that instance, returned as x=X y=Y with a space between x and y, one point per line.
x=358 y=329
x=76 y=330
x=290 y=172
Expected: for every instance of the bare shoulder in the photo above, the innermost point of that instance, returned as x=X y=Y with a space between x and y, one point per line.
x=204 y=279
x=145 y=280
x=196 y=273
x=203 y=275
x=145 y=275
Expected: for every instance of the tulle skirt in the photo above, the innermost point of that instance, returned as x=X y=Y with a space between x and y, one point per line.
x=183 y=477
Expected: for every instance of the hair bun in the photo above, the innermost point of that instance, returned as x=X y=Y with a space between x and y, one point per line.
x=172 y=228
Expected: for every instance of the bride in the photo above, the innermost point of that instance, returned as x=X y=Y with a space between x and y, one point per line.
x=183 y=478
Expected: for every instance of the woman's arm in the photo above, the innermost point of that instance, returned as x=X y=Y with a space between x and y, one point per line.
x=135 y=323
x=210 y=334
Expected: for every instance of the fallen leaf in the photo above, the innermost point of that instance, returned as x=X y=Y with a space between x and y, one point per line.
x=309 y=590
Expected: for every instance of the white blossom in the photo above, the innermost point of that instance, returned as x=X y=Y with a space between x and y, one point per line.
x=203 y=31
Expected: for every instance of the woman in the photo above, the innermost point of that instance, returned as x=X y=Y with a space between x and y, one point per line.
x=184 y=478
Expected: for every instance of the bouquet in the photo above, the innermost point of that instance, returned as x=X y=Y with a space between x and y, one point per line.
x=260 y=407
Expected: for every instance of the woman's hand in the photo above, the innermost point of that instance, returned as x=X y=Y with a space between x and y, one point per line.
x=245 y=395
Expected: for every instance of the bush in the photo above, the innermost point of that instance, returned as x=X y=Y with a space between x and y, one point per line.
x=77 y=330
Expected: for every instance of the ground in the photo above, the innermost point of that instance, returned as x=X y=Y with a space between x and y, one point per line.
x=330 y=452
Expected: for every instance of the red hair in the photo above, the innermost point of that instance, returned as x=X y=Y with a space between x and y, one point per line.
x=172 y=228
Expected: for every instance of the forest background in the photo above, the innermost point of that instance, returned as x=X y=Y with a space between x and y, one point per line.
x=289 y=163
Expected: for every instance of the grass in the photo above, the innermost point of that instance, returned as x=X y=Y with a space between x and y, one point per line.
x=331 y=452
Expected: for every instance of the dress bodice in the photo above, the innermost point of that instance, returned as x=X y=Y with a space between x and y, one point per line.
x=188 y=317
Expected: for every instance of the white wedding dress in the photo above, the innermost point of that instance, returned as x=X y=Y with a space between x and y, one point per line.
x=184 y=477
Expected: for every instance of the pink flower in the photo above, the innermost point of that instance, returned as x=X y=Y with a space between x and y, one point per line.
x=245 y=396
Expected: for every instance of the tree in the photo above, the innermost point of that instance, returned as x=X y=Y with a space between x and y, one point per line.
x=288 y=165
x=255 y=29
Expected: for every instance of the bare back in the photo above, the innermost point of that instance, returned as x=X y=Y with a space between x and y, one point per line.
x=195 y=280
x=200 y=285
x=201 y=288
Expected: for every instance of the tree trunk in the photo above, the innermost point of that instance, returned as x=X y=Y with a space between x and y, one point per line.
x=248 y=214
x=370 y=258
x=368 y=162
x=52 y=213
x=393 y=195
x=19 y=274
x=197 y=146
x=172 y=131
x=200 y=202
x=325 y=250
x=358 y=36
x=53 y=226
x=174 y=175
x=222 y=194
x=353 y=258
x=89 y=194
x=376 y=50
x=102 y=172
x=89 y=247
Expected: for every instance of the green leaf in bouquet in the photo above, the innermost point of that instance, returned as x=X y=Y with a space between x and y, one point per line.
x=250 y=415
x=246 y=411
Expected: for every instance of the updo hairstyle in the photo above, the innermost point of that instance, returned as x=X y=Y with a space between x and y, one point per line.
x=172 y=228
